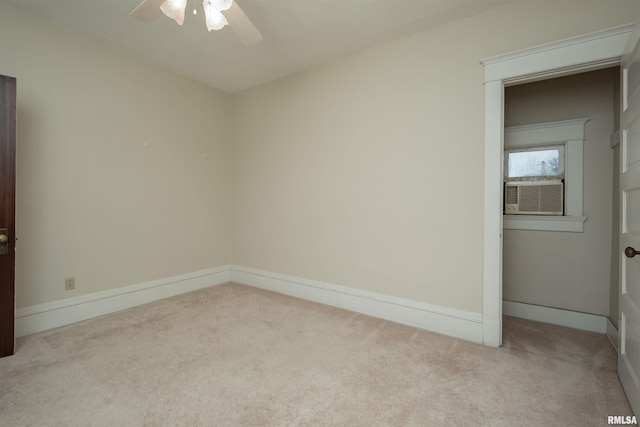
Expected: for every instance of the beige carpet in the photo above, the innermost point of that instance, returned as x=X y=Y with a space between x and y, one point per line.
x=232 y=355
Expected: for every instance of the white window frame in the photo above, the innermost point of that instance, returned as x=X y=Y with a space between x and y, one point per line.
x=570 y=134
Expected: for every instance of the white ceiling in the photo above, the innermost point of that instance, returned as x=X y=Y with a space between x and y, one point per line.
x=298 y=34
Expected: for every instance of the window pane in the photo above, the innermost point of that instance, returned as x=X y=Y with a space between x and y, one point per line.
x=534 y=163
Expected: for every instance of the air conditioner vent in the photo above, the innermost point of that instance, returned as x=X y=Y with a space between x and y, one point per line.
x=511 y=198
x=534 y=198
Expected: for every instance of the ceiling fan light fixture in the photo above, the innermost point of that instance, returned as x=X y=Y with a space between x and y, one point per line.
x=221 y=5
x=215 y=20
x=174 y=9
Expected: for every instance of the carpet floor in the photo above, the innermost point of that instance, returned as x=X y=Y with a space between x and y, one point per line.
x=232 y=355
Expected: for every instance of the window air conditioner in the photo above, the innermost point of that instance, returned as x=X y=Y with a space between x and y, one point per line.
x=534 y=198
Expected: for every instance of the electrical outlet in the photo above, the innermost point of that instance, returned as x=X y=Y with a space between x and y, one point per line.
x=69 y=283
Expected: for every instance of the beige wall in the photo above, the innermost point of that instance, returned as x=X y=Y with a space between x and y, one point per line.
x=92 y=202
x=558 y=269
x=368 y=172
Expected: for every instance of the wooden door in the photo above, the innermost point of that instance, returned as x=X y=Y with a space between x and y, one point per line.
x=629 y=346
x=7 y=213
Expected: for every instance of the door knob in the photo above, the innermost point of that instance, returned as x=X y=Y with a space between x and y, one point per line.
x=631 y=252
x=4 y=241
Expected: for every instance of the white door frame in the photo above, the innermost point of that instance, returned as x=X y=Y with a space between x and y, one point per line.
x=570 y=56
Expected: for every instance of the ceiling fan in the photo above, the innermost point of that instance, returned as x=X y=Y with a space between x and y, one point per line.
x=218 y=14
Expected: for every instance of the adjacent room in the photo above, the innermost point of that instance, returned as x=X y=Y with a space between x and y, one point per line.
x=574 y=269
x=297 y=219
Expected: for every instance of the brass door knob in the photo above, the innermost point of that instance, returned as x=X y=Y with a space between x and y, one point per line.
x=3 y=239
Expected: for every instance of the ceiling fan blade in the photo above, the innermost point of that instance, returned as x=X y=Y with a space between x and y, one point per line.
x=148 y=10
x=241 y=25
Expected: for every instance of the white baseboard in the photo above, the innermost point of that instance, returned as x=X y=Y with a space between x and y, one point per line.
x=448 y=321
x=42 y=317
x=443 y=320
x=612 y=334
x=556 y=316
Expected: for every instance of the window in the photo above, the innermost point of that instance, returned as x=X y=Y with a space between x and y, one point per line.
x=543 y=176
x=534 y=181
x=534 y=164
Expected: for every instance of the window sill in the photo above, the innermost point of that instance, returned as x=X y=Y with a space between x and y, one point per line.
x=572 y=224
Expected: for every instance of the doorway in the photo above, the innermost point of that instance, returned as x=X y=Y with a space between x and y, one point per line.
x=594 y=51
x=558 y=275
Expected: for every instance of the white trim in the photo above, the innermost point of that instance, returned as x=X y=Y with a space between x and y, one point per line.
x=556 y=316
x=492 y=242
x=570 y=56
x=444 y=320
x=573 y=178
x=42 y=317
x=612 y=334
x=544 y=133
x=571 y=134
x=449 y=321
x=598 y=49
x=571 y=224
